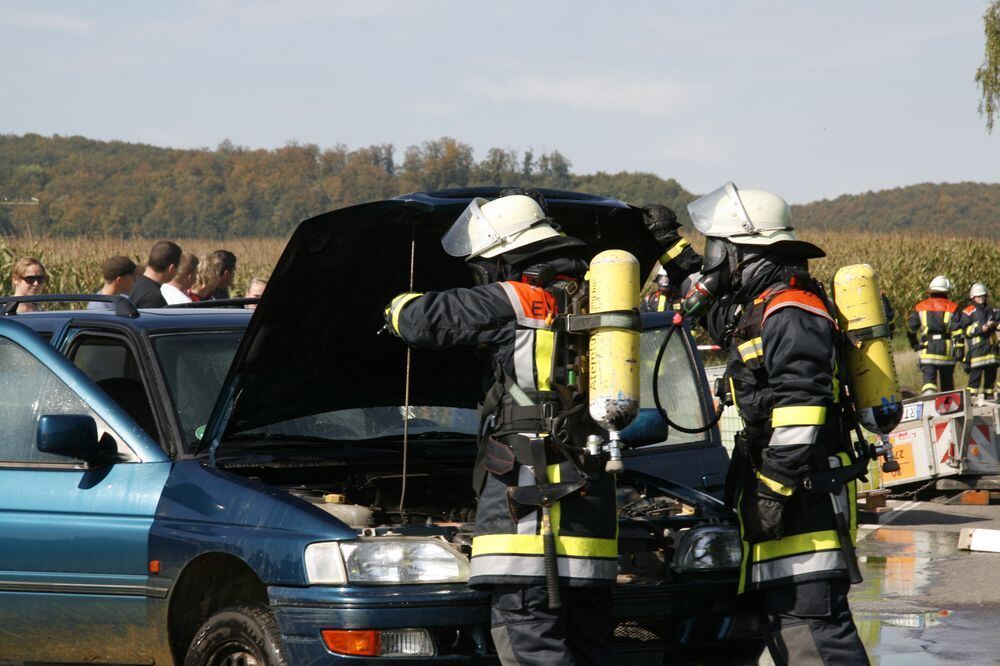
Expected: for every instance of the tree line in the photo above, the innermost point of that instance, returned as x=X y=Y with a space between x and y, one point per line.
x=88 y=187
x=112 y=188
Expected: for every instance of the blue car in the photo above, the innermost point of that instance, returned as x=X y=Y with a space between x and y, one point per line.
x=226 y=486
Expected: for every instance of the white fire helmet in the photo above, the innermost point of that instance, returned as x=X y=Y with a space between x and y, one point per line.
x=749 y=217
x=978 y=289
x=940 y=285
x=488 y=228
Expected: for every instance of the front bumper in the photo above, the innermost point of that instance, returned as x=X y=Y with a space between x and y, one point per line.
x=652 y=621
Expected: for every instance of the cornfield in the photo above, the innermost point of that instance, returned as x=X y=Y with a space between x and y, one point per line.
x=74 y=265
x=905 y=264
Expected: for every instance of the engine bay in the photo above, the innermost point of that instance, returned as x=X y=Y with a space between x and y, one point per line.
x=441 y=504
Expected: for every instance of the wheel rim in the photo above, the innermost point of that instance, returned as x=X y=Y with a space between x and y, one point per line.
x=235 y=655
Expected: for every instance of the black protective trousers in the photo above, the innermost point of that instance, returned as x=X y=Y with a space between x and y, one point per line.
x=982 y=379
x=526 y=632
x=811 y=624
x=931 y=373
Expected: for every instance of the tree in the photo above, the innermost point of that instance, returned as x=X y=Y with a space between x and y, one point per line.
x=988 y=74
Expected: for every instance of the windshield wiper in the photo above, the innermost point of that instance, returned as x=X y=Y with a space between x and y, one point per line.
x=440 y=435
x=278 y=437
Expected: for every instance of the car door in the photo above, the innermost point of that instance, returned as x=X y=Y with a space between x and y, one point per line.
x=694 y=459
x=74 y=568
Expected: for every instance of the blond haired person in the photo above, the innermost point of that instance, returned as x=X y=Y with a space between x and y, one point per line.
x=28 y=277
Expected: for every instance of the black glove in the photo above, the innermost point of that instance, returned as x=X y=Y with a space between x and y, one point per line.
x=767 y=507
x=662 y=223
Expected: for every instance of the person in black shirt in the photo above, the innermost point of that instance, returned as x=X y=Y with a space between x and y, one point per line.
x=160 y=269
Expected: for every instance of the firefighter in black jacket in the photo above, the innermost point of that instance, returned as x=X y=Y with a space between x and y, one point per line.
x=978 y=323
x=759 y=302
x=932 y=329
x=525 y=271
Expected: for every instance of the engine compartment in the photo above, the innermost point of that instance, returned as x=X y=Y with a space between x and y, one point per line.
x=441 y=504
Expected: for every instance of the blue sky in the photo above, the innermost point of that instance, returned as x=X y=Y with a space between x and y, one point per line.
x=809 y=100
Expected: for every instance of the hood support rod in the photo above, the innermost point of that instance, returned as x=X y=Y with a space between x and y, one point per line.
x=406 y=392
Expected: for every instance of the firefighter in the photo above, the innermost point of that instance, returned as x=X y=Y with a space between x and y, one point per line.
x=757 y=300
x=932 y=329
x=978 y=323
x=663 y=297
x=525 y=271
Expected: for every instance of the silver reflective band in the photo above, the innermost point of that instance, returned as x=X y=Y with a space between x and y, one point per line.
x=534 y=566
x=797 y=565
x=792 y=435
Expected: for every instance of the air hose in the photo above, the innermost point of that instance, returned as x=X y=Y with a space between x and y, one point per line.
x=656 y=387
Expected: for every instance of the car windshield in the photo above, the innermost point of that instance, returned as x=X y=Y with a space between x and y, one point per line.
x=195 y=366
x=365 y=423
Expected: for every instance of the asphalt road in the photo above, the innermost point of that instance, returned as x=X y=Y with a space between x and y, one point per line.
x=924 y=601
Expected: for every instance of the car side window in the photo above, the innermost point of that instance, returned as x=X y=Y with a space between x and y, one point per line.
x=680 y=387
x=29 y=390
x=112 y=365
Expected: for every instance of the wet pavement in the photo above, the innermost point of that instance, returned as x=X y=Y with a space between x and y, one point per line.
x=923 y=601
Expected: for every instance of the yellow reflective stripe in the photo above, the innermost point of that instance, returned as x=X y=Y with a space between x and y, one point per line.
x=544 y=356
x=852 y=499
x=661 y=303
x=776 y=486
x=796 y=544
x=732 y=392
x=744 y=546
x=531 y=544
x=923 y=323
x=947 y=317
x=794 y=416
x=935 y=357
x=555 y=513
x=397 y=306
x=751 y=349
x=674 y=251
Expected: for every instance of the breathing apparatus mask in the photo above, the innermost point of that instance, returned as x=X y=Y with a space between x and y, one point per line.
x=714 y=282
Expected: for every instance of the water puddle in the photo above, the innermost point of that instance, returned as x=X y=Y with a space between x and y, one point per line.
x=899 y=563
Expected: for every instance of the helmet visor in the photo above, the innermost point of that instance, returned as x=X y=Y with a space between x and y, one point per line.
x=718 y=205
x=472 y=233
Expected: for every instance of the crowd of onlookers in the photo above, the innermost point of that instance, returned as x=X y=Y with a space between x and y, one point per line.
x=169 y=276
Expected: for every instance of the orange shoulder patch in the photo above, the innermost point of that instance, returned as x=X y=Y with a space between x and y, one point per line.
x=534 y=307
x=797 y=298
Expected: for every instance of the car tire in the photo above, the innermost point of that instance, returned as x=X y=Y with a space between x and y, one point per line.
x=245 y=635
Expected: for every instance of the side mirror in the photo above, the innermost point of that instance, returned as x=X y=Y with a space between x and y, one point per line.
x=70 y=435
x=647 y=428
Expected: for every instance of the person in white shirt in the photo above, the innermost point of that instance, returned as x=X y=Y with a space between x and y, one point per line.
x=175 y=291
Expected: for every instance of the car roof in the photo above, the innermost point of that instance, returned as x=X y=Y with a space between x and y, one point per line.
x=153 y=320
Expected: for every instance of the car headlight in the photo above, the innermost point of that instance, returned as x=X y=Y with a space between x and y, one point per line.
x=708 y=548
x=386 y=561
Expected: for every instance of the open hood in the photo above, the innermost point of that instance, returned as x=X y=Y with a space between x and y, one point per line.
x=312 y=345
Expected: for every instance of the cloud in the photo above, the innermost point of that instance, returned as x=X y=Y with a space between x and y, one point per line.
x=652 y=98
x=21 y=18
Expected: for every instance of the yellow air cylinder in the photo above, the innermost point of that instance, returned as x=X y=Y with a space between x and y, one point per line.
x=614 y=352
x=873 y=383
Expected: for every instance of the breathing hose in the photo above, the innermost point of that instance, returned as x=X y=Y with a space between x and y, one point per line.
x=656 y=389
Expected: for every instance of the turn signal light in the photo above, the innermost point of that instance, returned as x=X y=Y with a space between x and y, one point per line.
x=375 y=643
x=362 y=643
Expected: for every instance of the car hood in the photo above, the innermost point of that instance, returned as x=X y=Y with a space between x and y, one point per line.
x=313 y=344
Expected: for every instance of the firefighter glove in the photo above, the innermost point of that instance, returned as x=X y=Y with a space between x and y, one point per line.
x=767 y=507
x=395 y=306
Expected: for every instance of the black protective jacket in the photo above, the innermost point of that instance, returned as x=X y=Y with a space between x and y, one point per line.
x=514 y=321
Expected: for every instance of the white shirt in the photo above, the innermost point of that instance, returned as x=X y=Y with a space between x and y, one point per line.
x=173 y=295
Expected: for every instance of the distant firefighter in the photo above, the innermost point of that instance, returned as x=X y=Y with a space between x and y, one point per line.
x=932 y=330
x=978 y=322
